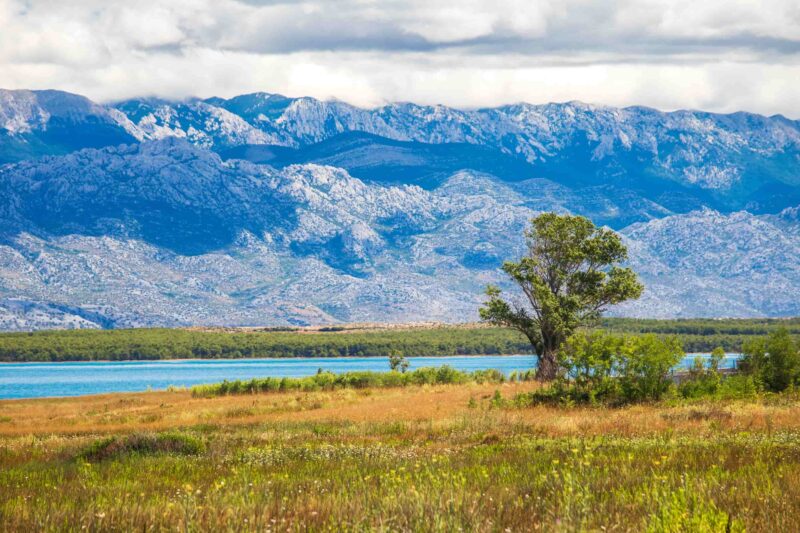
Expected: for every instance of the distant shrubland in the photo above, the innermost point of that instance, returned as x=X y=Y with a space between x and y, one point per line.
x=696 y=335
x=705 y=334
x=148 y=344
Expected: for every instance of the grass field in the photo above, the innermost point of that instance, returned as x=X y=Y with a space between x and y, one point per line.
x=429 y=458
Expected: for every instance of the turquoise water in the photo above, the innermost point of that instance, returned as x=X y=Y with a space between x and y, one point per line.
x=38 y=380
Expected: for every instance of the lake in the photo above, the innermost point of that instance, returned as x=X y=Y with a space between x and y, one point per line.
x=39 y=380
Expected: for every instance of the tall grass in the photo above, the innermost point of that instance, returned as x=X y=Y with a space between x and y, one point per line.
x=477 y=473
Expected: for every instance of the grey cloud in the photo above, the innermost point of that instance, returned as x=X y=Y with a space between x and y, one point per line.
x=591 y=28
x=599 y=29
x=720 y=54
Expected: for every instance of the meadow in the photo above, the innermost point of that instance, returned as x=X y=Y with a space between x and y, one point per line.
x=441 y=457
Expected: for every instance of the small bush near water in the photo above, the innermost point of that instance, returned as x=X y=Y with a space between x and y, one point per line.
x=142 y=444
x=773 y=361
x=771 y=364
x=598 y=367
x=352 y=380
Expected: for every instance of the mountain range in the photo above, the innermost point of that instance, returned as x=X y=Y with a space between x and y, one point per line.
x=268 y=210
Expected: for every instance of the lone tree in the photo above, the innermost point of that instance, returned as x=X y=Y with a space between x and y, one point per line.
x=398 y=362
x=569 y=276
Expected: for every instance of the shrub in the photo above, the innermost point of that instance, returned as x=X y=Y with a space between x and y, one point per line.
x=774 y=361
x=600 y=367
x=142 y=444
x=645 y=365
x=703 y=380
x=587 y=363
x=491 y=375
x=737 y=387
x=353 y=380
x=521 y=375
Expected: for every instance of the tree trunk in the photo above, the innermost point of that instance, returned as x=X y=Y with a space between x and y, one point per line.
x=548 y=366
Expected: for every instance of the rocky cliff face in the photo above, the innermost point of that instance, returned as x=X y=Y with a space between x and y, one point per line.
x=263 y=209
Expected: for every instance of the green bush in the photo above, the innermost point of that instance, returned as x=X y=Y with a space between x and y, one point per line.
x=587 y=363
x=352 y=380
x=737 y=387
x=598 y=367
x=774 y=361
x=142 y=444
x=645 y=366
x=703 y=380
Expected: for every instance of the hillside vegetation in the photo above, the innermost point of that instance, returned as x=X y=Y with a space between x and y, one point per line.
x=701 y=335
x=136 y=344
x=705 y=334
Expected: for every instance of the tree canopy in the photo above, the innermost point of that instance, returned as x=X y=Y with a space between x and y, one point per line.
x=569 y=276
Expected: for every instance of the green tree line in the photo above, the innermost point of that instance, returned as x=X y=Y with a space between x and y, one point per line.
x=701 y=335
x=150 y=344
x=705 y=334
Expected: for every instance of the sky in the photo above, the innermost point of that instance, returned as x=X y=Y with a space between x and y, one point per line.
x=716 y=55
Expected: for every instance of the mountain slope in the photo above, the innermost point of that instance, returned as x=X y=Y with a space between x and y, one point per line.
x=725 y=265
x=730 y=162
x=312 y=244
x=36 y=123
x=263 y=209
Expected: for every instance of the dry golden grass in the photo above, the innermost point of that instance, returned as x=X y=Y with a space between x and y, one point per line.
x=166 y=410
x=178 y=409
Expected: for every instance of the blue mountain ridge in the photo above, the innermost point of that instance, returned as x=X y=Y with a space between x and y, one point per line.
x=263 y=209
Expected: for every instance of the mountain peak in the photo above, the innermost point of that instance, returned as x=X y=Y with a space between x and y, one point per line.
x=235 y=210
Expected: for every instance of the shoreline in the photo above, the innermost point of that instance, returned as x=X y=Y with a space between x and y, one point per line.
x=338 y=357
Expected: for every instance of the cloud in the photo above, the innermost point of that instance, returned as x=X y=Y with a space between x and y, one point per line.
x=720 y=55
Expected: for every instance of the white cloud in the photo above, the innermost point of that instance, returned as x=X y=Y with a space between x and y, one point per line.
x=719 y=55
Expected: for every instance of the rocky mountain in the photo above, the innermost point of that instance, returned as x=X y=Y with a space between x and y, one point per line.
x=730 y=162
x=729 y=265
x=37 y=123
x=263 y=209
